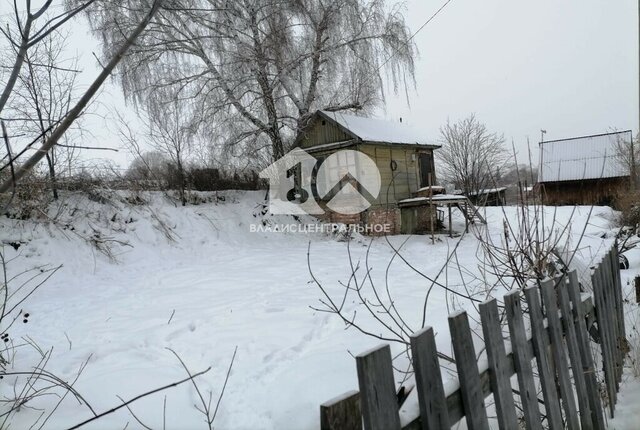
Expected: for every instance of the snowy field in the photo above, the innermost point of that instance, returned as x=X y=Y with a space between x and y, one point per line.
x=196 y=280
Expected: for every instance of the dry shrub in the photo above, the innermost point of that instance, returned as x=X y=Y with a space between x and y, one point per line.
x=212 y=179
x=629 y=206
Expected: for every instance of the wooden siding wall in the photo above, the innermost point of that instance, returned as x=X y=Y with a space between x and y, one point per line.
x=396 y=185
x=586 y=192
x=320 y=134
x=401 y=183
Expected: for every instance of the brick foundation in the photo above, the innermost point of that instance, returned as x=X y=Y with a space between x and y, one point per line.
x=381 y=216
x=336 y=218
x=374 y=219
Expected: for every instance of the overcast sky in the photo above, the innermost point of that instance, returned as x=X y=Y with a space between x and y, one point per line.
x=569 y=67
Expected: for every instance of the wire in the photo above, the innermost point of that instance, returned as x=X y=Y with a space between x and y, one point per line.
x=393 y=54
x=417 y=31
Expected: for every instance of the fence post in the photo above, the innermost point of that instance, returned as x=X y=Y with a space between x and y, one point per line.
x=341 y=413
x=605 y=331
x=549 y=299
x=577 y=367
x=499 y=374
x=433 y=404
x=468 y=375
x=540 y=342
x=522 y=361
x=588 y=367
x=377 y=389
x=617 y=294
x=608 y=285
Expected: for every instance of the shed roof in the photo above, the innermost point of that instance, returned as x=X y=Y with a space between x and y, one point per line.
x=579 y=158
x=377 y=130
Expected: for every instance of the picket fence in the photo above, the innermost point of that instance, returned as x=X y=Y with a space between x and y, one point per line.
x=564 y=325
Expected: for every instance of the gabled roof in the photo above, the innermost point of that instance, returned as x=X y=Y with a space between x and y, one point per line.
x=377 y=130
x=579 y=158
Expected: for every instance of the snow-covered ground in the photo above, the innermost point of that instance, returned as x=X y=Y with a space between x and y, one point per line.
x=197 y=280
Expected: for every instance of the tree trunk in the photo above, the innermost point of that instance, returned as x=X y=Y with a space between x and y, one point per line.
x=52 y=176
x=183 y=185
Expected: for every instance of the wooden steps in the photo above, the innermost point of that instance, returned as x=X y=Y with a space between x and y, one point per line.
x=471 y=212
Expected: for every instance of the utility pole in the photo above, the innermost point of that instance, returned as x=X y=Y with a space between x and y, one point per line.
x=633 y=149
x=633 y=160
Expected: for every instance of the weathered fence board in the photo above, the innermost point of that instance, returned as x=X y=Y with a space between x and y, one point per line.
x=342 y=413
x=618 y=289
x=522 y=361
x=433 y=404
x=615 y=264
x=605 y=332
x=468 y=375
x=568 y=326
x=549 y=299
x=609 y=296
x=499 y=366
x=541 y=349
x=588 y=366
x=614 y=289
x=377 y=390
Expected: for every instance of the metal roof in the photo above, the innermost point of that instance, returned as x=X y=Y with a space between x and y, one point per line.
x=587 y=157
x=377 y=130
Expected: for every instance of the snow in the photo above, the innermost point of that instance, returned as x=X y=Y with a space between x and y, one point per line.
x=434 y=198
x=488 y=191
x=214 y=286
x=627 y=415
x=431 y=188
x=376 y=130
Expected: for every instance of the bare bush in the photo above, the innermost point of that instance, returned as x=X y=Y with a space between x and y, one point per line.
x=629 y=206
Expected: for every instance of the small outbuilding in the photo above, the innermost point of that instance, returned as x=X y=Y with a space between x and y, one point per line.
x=489 y=197
x=403 y=157
x=587 y=170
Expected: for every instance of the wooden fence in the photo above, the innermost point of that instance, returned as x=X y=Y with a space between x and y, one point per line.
x=562 y=320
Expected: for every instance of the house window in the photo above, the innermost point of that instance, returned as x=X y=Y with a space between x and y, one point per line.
x=427 y=176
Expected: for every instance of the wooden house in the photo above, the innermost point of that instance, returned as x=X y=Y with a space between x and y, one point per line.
x=403 y=157
x=586 y=170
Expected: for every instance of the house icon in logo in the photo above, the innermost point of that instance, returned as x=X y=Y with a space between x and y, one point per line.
x=346 y=182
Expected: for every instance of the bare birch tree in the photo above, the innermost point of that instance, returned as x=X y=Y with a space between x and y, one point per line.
x=263 y=67
x=44 y=96
x=470 y=156
x=22 y=37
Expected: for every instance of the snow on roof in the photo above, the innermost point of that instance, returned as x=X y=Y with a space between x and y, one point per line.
x=488 y=191
x=377 y=130
x=431 y=187
x=588 y=157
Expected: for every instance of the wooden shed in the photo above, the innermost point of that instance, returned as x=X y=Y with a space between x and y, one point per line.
x=489 y=197
x=403 y=157
x=587 y=170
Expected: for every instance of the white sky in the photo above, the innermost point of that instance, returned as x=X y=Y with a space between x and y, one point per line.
x=568 y=67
